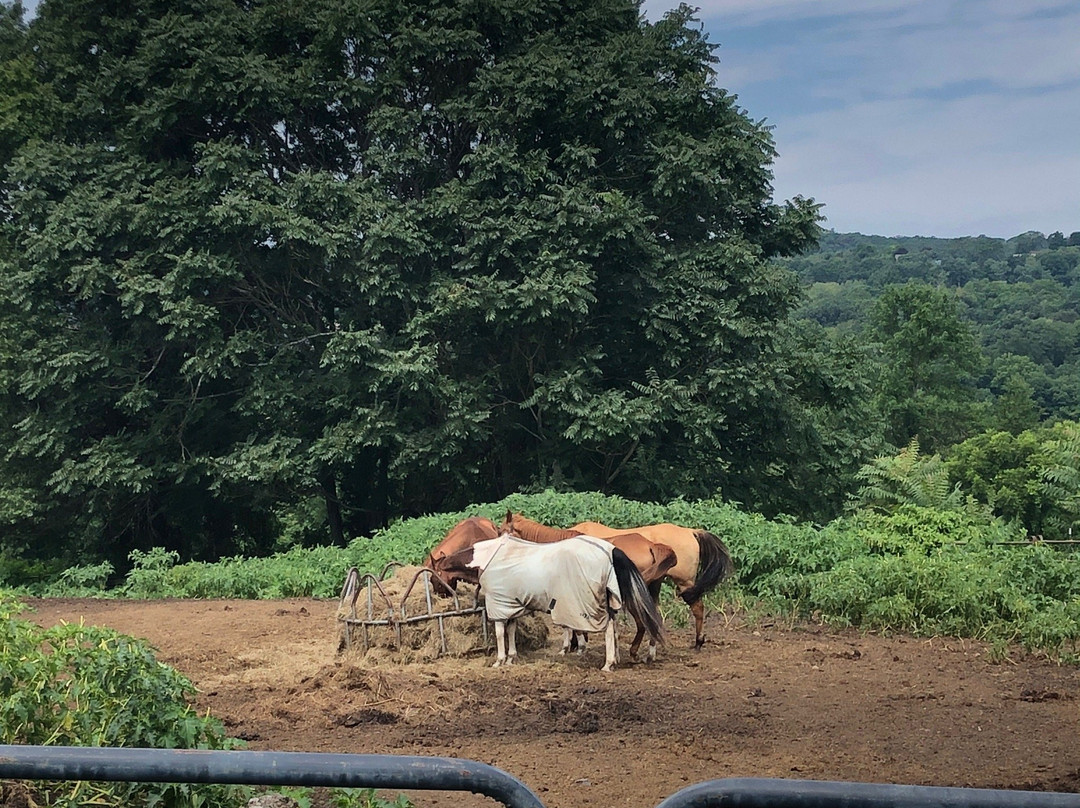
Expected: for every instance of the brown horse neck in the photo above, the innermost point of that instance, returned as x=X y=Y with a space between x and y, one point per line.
x=534 y=531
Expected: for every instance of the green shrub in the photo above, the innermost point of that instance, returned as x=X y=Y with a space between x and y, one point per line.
x=22 y=574
x=919 y=569
x=149 y=574
x=74 y=685
x=80 y=581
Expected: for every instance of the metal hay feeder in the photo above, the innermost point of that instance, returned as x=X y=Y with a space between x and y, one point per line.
x=381 y=611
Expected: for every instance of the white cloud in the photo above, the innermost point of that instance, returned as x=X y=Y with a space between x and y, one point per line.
x=920 y=117
x=961 y=198
x=1011 y=54
x=973 y=165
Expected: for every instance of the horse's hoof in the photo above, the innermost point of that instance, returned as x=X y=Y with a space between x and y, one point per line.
x=652 y=654
x=608 y=668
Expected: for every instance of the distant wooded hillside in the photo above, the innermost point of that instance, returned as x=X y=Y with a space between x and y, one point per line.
x=1021 y=296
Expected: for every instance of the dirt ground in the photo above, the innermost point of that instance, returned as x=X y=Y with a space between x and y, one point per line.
x=757 y=701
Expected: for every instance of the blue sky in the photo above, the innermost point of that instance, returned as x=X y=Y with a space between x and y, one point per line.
x=912 y=117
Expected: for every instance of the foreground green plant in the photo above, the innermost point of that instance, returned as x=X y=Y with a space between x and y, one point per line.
x=304 y=797
x=75 y=685
x=365 y=798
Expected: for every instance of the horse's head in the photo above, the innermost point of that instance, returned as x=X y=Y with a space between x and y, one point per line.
x=454 y=567
x=442 y=569
x=508 y=523
x=443 y=558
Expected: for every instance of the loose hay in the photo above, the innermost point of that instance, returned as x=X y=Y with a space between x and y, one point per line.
x=420 y=642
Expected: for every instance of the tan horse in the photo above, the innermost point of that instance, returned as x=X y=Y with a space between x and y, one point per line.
x=461 y=536
x=653 y=560
x=703 y=561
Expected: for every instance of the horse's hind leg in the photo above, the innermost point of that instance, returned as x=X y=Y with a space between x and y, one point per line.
x=698 y=610
x=654 y=591
x=582 y=642
x=500 y=643
x=636 y=644
x=573 y=639
x=511 y=640
x=610 y=648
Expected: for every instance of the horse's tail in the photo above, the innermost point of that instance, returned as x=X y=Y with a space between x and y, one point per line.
x=636 y=596
x=714 y=565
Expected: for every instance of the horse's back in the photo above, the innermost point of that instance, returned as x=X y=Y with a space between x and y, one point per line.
x=682 y=540
x=661 y=533
x=599 y=530
x=531 y=530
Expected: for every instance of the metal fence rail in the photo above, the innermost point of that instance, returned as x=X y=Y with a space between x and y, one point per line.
x=264 y=768
x=403 y=772
x=750 y=792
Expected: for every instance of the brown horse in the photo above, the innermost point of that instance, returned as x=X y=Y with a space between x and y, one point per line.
x=461 y=536
x=653 y=560
x=703 y=561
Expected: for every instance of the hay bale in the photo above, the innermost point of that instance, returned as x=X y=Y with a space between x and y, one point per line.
x=421 y=641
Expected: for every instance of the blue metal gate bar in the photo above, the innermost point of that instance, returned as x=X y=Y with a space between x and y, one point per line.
x=263 y=768
x=455 y=774
x=753 y=792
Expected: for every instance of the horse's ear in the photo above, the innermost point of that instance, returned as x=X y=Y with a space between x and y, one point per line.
x=509 y=515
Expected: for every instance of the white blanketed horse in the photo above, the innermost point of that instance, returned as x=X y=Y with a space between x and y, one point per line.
x=583 y=582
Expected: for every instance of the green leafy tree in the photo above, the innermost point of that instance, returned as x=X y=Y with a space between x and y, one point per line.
x=25 y=103
x=1060 y=264
x=928 y=353
x=294 y=271
x=1027 y=478
x=1003 y=470
x=1027 y=242
x=1015 y=407
x=830 y=418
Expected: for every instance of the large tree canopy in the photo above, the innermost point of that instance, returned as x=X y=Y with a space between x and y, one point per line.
x=269 y=264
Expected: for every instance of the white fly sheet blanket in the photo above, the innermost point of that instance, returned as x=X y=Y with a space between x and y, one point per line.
x=569 y=578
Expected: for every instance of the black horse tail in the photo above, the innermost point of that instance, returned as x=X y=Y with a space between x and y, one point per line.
x=714 y=565
x=636 y=596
